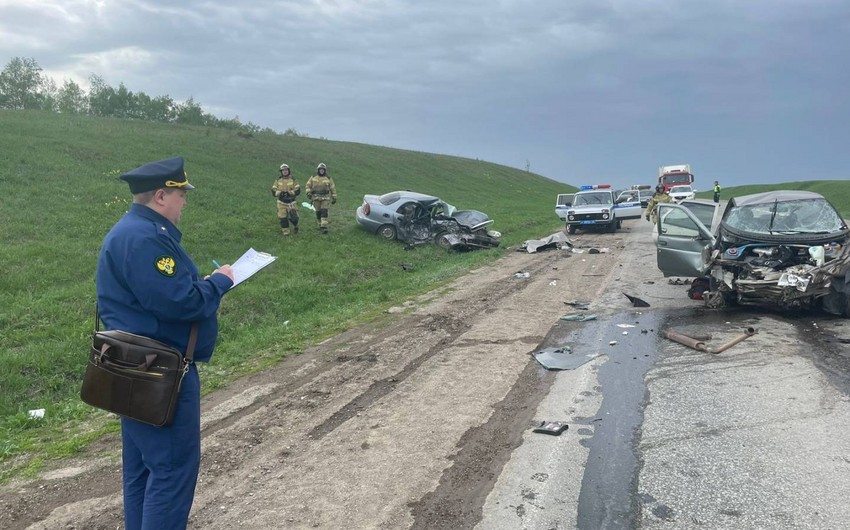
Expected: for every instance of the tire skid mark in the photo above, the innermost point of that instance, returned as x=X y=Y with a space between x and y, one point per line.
x=381 y=388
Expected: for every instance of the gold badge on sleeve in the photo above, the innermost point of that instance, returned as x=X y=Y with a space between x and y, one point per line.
x=166 y=265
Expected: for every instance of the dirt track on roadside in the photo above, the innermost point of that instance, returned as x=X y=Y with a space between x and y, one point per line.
x=403 y=423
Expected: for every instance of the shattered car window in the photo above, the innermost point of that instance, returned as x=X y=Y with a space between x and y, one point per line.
x=583 y=199
x=448 y=209
x=814 y=216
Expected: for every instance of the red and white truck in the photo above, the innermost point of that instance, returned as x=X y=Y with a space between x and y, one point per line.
x=678 y=175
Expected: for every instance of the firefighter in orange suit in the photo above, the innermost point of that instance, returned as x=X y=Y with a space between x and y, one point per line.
x=322 y=192
x=286 y=188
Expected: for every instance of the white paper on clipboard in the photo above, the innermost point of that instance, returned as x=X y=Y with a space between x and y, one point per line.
x=248 y=264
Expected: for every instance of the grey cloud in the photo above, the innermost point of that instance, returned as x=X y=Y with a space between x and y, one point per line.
x=571 y=86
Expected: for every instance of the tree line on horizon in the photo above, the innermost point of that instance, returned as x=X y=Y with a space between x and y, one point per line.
x=23 y=86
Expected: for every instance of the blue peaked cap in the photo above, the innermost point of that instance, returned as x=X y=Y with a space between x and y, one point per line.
x=168 y=174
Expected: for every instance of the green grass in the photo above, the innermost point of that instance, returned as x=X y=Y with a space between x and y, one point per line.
x=62 y=197
x=836 y=191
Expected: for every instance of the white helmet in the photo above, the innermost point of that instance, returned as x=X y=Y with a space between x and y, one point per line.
x=283 y=166
x=322 y=166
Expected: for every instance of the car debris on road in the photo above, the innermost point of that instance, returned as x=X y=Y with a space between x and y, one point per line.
x=557 y=240
x=562 y=358
x=578 y=317
x=579 y=304
x=699 y=343
x=636 y=302
x=555 y=428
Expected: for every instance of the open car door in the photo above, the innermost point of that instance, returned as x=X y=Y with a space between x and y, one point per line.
x=627 y=208
x=564 y=203
x=684 y=243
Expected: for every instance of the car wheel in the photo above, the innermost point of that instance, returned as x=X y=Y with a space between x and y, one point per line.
x=619 y=224
x=571 y=229
x=719 y=296
x=387 y=232
x=442 y=241
x=612 y=226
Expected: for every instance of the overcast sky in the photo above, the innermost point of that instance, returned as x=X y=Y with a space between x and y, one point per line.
x=581 y=91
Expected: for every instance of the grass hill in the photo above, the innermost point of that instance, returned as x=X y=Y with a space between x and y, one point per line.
x=836 y=191
x=61 y=197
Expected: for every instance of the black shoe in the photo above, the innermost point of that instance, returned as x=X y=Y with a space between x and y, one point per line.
x=295 y=229
x=324 y=229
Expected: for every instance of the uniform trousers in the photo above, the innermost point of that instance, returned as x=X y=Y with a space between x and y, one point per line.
x=161 y=464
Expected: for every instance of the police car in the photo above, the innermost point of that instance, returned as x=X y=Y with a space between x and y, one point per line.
x=595 y=206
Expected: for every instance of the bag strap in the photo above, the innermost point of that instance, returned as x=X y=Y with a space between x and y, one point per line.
x=190 y=347
x=193 y=338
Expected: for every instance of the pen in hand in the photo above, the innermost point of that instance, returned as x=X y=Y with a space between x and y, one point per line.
x=226 y=270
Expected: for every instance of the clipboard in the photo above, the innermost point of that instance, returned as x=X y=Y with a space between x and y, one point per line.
x=249 y=264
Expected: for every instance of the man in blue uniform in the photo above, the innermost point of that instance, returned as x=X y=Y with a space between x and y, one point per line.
x=148 y=285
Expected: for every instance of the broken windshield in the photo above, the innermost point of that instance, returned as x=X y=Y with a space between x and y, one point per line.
x=446 y=209
x=810 y=216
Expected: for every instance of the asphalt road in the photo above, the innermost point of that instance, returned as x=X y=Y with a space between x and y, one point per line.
x=664 y=436
x=425 y=419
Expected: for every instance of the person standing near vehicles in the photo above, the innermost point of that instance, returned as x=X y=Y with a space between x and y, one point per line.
x=286 y=188
x=322 y=193
x=148 y=285
x=659 y=196
x=716 y=191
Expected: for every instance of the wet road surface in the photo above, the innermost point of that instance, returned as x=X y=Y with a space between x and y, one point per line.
x=665 y=436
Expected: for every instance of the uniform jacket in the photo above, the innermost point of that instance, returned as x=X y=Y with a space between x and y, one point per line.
x=288 y=185
x=148 y=285
x=318 y=186
x=651 y=210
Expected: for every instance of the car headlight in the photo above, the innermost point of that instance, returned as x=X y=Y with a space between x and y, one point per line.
x=605 y=216
x=571 y=217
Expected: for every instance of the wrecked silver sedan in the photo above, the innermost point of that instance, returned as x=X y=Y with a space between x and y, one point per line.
x=780 y=249
x=416 y=218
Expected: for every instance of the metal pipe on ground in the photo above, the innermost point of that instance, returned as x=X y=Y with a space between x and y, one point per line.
x=749 y=332
x=684 y=340
x=698 y=343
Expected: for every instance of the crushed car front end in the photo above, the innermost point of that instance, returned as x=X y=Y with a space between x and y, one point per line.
x=786 y=250
x=464 y=230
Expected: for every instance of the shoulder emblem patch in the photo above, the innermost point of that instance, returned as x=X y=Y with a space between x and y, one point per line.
x=166 y=265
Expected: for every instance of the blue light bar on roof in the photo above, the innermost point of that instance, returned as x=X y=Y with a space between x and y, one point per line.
x=596 y=187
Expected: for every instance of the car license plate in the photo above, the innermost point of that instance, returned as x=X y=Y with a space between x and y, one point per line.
x=588 y=222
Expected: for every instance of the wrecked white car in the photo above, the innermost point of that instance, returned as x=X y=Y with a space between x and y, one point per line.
x=416 y=218
x=780 y=249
